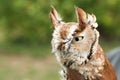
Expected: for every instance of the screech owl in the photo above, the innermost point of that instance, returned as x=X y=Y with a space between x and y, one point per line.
x=76 y=47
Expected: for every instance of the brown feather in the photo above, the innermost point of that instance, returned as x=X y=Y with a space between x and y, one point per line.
x=106 y=74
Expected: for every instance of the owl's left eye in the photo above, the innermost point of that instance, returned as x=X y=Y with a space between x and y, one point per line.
x=79 y=38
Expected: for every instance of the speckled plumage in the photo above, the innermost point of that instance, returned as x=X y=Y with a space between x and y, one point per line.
x=76 y=47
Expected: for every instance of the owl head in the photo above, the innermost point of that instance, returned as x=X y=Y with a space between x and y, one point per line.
x=74 y=40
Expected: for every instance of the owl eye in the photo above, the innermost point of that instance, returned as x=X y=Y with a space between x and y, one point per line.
x=79 y=38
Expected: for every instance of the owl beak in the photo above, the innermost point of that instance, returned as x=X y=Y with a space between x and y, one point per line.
x=67 y=40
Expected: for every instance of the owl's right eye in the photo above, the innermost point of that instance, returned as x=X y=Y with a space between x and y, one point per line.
x=79 y=38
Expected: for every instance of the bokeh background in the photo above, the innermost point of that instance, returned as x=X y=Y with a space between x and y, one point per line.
x=25 y=34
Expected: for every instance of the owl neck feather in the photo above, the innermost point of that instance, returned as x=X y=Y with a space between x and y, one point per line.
x=73 y=74
x=92 y=45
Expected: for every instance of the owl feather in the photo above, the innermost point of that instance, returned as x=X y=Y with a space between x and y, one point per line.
x=77 y=49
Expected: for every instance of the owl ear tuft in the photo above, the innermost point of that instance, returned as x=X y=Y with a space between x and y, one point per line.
x=55 y=18
x=81 y=18
x=91 y=20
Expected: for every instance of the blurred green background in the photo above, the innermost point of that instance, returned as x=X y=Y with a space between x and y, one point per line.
x=25 y=34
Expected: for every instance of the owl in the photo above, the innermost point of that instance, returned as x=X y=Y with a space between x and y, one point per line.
x=77 y=49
